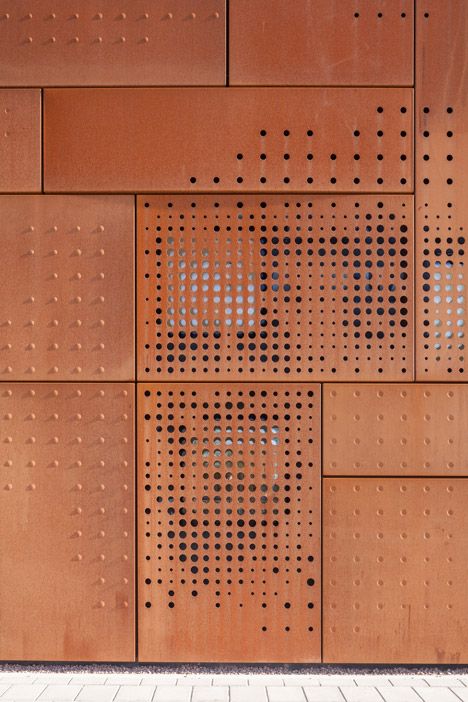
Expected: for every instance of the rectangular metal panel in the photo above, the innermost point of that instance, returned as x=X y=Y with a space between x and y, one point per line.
x=66 y=308
x=395 y=570
x=198 y=139
x=20 y=140
x=66 y=521
x=402 y=429
x=442 y=203
x=111 y=42
x=265 y=287
x=324 y=42
x=229 y=522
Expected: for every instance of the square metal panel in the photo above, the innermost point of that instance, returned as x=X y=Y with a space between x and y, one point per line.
x=66 y=521
x=442 y=203
x=229 y=522
x=273 y=42
x=112 y=42
x=199 y=139
x=20 y=140
x=66 y=309
x=275 y=287
x=395 y=570
x=395 y=429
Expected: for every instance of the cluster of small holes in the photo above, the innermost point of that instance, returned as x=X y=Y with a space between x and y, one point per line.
x=394 y=429
x=231 y=499
x=300 y=158
x=276 y=288
x=442 y=254
x=386 y=540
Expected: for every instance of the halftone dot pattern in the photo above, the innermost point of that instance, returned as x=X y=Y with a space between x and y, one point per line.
x=274 y=287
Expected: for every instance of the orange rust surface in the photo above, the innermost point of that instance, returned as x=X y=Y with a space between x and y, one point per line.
x=273 y=42
x=394 y=570
x=20 y=140
x=229 y=522
x=272 y=287
x=66 y=522
x=66 y=309
x=395 y=429
x=198 y=139
x=441 y=201
x=107 y=42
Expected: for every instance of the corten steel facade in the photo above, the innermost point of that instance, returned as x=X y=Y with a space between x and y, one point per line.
x=232 y=330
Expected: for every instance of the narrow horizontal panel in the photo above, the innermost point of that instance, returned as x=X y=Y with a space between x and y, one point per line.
x=275 y=287
x=273 y=42
x=239 y=139
x=398 y=429
x=442 y=203
x=229 y=522
x=66 y=522
x=20 y=140
x=66 y=309
x=395 y=570
x=108 y=42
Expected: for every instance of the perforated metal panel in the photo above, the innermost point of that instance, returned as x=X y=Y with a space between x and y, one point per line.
x=66 y=521
x=229 y=522
x=398 y=429
x=112 y=42
x=265 y=287
x=236 y=140
x=273 y=42
x=442 y=205
x=395 y=571
x=20 y=140
x=66 y=308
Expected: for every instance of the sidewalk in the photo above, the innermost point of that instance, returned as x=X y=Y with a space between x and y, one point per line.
x=173 y=687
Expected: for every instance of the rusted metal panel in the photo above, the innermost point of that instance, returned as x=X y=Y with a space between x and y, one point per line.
x=397 y=429
x=229 y=522
x=394 y=570
x=66 y=521
x=106 y=42
x=325 y=42
x=66 y=260
x=198 y=139
x=442 y=204
x=20 y=141
x=265 y=287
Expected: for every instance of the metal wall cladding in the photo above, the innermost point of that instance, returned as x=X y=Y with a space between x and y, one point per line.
x=442 y=205
x=20 y=140
x=106 y=42
x=398 y=429
x=198 y=139
x=273 y=42
x=394 y=570
x=229 y=522
x=66 y=521
x=275 y=287
x=66 y=309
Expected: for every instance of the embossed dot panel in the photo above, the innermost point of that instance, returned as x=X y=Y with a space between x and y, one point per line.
x=66 y=308
x=265 y=287
x=321 y=43
x=400 y=429
x=394 y=570
x=66 y=521
x=229 y=522
x=442 y=205
x=20 y=140
x=107 y=42
x=238 y=139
